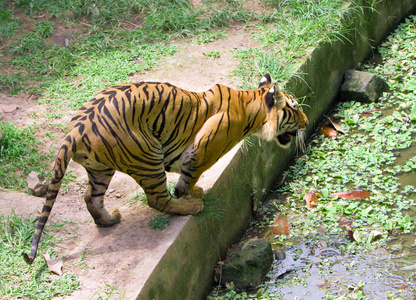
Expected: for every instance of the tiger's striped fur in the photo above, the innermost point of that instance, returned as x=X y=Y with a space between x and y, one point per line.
x=144 y=129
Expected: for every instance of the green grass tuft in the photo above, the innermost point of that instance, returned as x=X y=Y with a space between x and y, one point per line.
x=159 y=223
x=19 y=155
x=20 y=281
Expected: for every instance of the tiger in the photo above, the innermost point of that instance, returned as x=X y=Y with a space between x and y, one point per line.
x=146 y=129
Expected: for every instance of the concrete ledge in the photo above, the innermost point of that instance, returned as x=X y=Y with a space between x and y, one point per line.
x=186 y=269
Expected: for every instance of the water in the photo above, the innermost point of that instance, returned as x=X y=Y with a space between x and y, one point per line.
x=318 y=259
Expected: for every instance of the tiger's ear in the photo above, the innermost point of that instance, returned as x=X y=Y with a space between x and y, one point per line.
x=275 y=97
x=265 y=81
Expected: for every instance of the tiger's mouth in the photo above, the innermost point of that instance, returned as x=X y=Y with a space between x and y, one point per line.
x=285 y=138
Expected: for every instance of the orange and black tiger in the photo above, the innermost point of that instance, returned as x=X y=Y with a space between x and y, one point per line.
x=145 y=129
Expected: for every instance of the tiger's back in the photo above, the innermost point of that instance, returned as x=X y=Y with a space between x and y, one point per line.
x=146 y=129
x=143 y=121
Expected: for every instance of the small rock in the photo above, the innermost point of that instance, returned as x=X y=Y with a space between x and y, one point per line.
x=117 y=195
x=280 y=255
x=35 y=184
x=111 y=190
x=362 y=87
x=248 y=265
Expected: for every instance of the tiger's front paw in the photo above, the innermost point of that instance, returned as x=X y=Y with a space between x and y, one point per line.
x=193 y=206
x=196 y=192
x=183 y=206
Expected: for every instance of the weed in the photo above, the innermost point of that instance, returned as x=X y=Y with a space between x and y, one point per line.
x=19 y=155
x=213 y=54
x=27 y=44
x=8 y=24
x=110 y=292
x=13 y=82
x=20 y=281
x=44 y=29
x=209 y=36
x=159 y=223
x=288 y=34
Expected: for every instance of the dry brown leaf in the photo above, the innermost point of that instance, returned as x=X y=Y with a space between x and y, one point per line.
x=6 y=108
x=54 y=265
x=345 y=224
x=354 y=194
x=335 y=125
x=328 y=131
x=311 y=199
x=368 y=112
x=281 y=225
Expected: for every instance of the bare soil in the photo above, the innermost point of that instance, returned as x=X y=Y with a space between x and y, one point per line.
x=114 y=256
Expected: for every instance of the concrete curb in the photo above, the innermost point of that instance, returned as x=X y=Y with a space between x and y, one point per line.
x=186 y=269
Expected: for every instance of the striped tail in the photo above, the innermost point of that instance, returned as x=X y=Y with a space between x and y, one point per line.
x=63 y=157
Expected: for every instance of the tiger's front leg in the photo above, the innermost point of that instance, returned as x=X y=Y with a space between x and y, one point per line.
x=213 y=140
x=185 y=187
x=159 y=198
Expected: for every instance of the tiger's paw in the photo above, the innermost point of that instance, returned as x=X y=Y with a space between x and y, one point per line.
x=183 y=206
x=196 y=192
x=113 y=217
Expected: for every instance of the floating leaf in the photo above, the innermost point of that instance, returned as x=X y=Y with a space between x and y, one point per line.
x=356 y=236
x=368 y=112
x=335 y=125
x=345 y=224
x=311 y=199
x=328 y=131
x=354 y=194
x=410 y=85
x=54 y=265
x=319 y=247
x=280 y=225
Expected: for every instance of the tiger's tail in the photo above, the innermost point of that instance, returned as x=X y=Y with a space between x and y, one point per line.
x=63 y=157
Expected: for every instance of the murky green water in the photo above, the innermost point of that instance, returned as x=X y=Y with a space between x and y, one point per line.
x=318 y=265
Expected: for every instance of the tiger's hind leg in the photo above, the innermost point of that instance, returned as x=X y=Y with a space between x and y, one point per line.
x=94 y=198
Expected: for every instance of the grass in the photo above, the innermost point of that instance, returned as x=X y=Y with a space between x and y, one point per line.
x=103 y=39
x=289 y=33
x=158 y=222
x=19 y=155
x=17 y=279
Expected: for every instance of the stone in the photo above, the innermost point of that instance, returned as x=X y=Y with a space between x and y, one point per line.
x=35 y=184
x=280 y=254
x=248 y=264
x=362 y=87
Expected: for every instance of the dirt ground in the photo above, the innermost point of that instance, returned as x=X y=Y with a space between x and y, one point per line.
x=124 y=255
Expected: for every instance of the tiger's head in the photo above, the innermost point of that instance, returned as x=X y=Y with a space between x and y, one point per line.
x=285 y=119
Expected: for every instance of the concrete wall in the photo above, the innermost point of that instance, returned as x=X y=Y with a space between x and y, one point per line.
x=186 y=270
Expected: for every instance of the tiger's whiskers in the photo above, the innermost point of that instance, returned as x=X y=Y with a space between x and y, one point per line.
x=300 y=141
